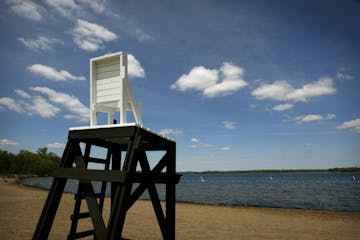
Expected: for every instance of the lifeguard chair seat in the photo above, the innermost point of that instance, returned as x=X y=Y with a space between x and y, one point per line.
x=110 y=90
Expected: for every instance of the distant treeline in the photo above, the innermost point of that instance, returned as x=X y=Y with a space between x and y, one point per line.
x=41 y=163
x=349 y=169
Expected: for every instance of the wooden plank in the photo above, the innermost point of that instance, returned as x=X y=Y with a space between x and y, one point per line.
x=108 y=74
x=142 y=187
x=116 y=165
x=119 y=134
x=96 y=160
x=103 y=133
x=95 y=213
x=91 y=174
x=57 y=188
x=109 y=85
x=108 y=80
x=108 y=98
x=154 y=197
x=122 y=193
x=151 y=177
x=170 y=192
x=100 y=68
x=84 y=234
x=109 y=61
x=109 y=92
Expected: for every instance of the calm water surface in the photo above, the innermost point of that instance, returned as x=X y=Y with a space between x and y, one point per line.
x=325 y=190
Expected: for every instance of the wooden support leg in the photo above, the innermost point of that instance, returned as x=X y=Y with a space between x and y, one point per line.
x=95 y=212
x=170 y=193
x=116 y=165
x=153 y=195
x=122 y=193
x=57 y=188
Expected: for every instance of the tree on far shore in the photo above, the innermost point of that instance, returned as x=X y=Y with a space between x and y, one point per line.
x=40 y=163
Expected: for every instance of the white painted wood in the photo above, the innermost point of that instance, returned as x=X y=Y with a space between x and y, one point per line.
x=108 y=74
x=110 y=90
x=101 y=68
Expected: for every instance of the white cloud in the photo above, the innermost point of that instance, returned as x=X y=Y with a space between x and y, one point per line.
x=22 y=93
x=253 y=106
x=199 y=78
x=97 y=6
x=313 y=117
x=283 y=91
x=27 y=9
x=322 y=87
x=342 y=75
x=207 y=145
x=229 y=124
x=11 y=104
x=141 y=35
x=53 y=74
x=283 y=107
x=223 y=88
x=40 y=43
x=71 y=9
x=71 y=103
x=225 y=148
x=134 y=67
x=34 y=105
x=208 y=81
x=276 y=91
x=7 y=142
x=41 y=107
x=198 y=143
x=55 y=145
x=232 y=81
x=309 y=118
x=91 y=36
x=66 y=8
x=169 y=131
x=330 y=116
x=353 y=125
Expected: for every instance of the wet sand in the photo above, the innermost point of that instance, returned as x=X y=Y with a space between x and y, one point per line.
x=20 y=208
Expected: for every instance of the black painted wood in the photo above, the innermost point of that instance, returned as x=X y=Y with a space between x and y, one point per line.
x=135 y=142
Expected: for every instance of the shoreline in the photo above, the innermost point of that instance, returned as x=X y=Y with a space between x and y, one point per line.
x=21 y=206
x=321 y=205
x=214 y=205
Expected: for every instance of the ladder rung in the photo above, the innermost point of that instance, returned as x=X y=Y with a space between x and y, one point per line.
x=81 y=215
x=96 y=160
x=96 y=195
x=83 y=234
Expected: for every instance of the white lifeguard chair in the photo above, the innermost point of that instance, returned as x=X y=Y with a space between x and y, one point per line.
x=110 y=90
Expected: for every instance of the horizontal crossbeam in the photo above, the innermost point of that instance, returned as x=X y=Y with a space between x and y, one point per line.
x=91 y=175
x=115 y=176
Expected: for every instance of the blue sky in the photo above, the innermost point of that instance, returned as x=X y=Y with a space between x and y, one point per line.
x=238 y=84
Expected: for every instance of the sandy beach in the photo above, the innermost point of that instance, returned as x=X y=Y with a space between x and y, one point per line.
x=20 y=208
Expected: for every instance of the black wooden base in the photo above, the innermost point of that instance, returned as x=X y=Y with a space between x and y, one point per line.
x=135 y=142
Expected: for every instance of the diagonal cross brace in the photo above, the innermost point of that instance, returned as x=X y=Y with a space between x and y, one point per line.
x=93 y=206
x=153 y=194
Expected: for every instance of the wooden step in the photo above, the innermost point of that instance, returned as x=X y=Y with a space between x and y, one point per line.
x=80 y=215
x=96 y=160
x=82 y=234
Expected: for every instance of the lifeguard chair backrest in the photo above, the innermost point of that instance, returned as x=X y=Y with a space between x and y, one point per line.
x=110 y=89
x=107 y=74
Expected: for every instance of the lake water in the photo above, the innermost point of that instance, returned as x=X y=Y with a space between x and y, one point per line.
x=321 y=190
